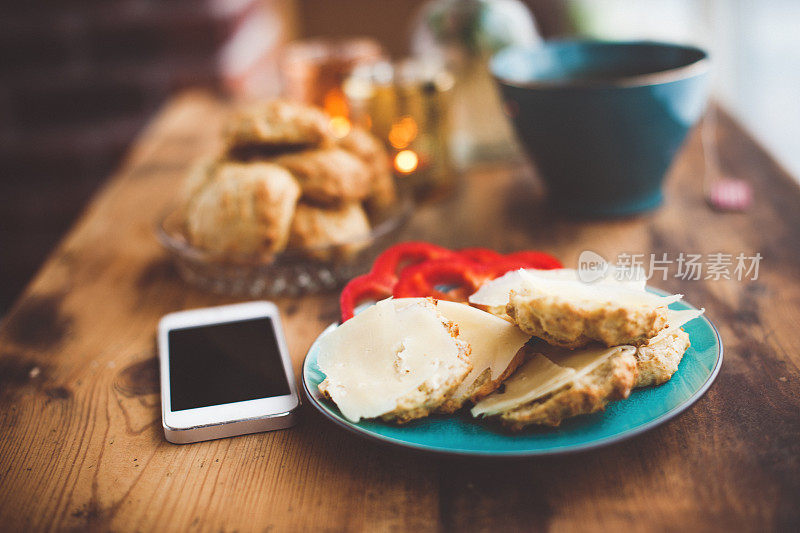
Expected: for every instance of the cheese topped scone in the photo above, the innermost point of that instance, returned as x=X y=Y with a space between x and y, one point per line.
x=493 y=295
x=550 y=388
x=571 y=314
x=397 y=360
x=496 y=351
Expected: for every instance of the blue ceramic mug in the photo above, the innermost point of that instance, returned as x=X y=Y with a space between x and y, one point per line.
x=603 y=120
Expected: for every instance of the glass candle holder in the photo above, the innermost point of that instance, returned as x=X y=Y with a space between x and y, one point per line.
x=407 y=104
x=313 y=71
x=464 y=34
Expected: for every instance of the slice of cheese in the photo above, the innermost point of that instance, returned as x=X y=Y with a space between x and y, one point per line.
x=543 y=375
x=494 y=294
x=594 y=294
x=676 y=319
x=385 y=353
x=494 y=341
x=534 y=379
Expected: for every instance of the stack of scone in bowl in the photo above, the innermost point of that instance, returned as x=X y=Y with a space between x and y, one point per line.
x=285 y=193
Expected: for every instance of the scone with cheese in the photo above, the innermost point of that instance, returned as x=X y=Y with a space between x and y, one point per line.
x=493 y=295
x=242 y=208
x=316 y=229
x=267 y=128
x=571 y=314
x=328 y=176
x=397 y=361
x=367 y=147
x=559 y=384
x=658 y=360
x=496 y=351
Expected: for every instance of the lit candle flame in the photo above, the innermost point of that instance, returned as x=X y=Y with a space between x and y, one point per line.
x=335 y=104
x=406 y=161
x=403 y=132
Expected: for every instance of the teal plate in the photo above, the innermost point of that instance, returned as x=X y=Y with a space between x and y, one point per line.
x=462 y=435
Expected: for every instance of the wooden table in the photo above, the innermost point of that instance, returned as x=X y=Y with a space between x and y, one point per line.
x=81 y=444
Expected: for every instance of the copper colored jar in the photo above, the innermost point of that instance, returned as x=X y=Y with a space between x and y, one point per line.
x=314 y=70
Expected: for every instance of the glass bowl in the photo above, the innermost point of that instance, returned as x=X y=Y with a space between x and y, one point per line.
x=288 y=273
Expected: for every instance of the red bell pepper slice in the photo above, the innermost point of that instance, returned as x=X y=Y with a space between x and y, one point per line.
x=480 y=255
x=424 y=278
x=416 y=269
x=534 y=259
x=394 y=258
x=362 y=288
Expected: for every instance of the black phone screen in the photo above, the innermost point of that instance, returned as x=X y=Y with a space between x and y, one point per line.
x=225 y=363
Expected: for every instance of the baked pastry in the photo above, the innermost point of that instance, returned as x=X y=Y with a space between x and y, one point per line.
x=571 y=314
x=199 y=175
x=242 y=208
x=329 y=176
x=375 y=369
x=575 y=323
x=493 y=295
x=560 y=384
x=383 y=192
x=276 y=126
x=315 y=229
x=658 y=360
x=244 y=201
x=496 y=351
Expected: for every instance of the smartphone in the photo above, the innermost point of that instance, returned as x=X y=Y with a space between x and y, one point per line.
x=225 y=371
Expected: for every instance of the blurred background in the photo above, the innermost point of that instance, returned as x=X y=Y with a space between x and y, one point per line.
x=81 y=79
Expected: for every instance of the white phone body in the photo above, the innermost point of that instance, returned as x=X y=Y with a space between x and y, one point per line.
x=227 y=419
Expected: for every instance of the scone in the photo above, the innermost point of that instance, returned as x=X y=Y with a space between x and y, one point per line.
x=393 y=361
x=199 y=175
x=329 y=176
x=658 y=360
x=274 y=127
x=497 y=350
x=243 y=209
x=550 y=388
x=383 y=192
x=493 y=295
x=314 y=229
x=573 y=324
x=572 y=314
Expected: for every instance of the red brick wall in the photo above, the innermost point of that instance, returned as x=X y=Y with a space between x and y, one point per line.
x=79 y=80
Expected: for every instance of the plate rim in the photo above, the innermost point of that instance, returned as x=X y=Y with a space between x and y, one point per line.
x=564 y=450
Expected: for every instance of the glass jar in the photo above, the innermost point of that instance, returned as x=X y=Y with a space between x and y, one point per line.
x=463 y=35
x=407 y=104
x=313 y=71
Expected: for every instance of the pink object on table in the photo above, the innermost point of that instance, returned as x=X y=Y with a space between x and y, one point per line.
x=730 y=194
x=721 y=192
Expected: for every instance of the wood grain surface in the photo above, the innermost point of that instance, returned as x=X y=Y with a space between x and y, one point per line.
x=81 y=445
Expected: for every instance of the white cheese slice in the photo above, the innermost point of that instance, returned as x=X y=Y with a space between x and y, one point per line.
x=494 y=341
x=543 y=375
x=494 y=293
x=383 y=354
x=534 y=379
x=594 y=294
x=676 y=319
